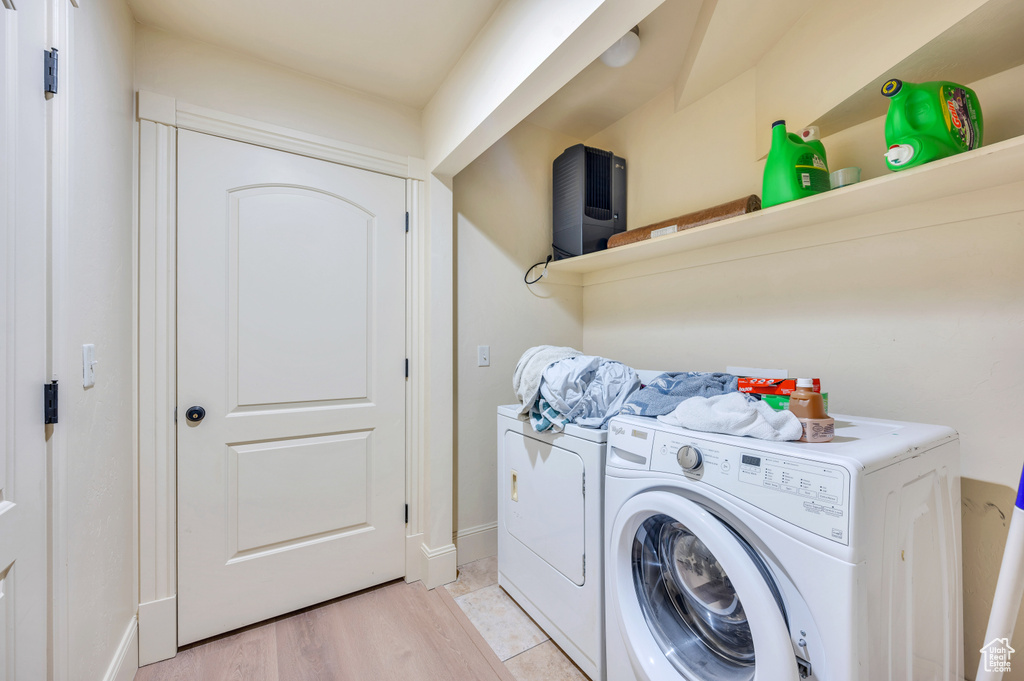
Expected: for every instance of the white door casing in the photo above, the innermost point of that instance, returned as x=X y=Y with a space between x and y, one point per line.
x=291 y=336
x=430 y=553
x=23 y=450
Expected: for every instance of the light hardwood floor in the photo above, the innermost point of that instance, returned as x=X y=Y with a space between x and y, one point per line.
x=467 y=631
x=397 y=631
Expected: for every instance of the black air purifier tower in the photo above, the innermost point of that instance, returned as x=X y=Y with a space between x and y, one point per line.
x=589 y=200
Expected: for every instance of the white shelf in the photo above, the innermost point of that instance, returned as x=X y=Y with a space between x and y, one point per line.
x=982 y=169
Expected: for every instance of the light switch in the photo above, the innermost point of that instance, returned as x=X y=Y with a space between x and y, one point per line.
x=483 y=355
x=88 y=365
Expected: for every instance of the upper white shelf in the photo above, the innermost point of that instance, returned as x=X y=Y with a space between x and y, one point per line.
x=984 y=168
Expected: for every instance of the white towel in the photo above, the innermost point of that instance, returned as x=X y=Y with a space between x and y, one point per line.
x=526 y=379
x=735 y=414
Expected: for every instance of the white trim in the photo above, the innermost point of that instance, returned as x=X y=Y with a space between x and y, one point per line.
x=474 y=543
x=169 y=111
x=415 y=425
x=157 y=199
x=156 y=108
x=438 y=565
x=428 y=473
x=438 y=347
x=59 y=178
x=158 y=636
x=415 y=561
x=126 y=659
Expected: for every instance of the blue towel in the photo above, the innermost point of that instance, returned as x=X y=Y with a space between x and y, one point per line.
x=545 y=417
x=667 y=390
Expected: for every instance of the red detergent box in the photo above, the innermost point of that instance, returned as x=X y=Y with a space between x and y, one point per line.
x=772 y=386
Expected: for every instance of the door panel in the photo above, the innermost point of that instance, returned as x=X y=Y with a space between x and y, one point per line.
x=327 y=493
x=300 y=293
x=291 y=335
x=23 y=314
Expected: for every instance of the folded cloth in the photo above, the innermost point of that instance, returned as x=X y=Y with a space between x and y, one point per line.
x=735 y=414
x=526 y=378
x=587 y=390
x=666 y=391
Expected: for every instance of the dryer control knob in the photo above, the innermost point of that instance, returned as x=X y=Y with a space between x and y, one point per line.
x=689 y=457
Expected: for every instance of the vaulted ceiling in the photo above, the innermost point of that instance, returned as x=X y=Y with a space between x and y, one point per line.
x=400 y=50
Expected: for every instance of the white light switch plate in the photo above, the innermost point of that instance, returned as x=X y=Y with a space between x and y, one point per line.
x=88 y=365
x=483 y=355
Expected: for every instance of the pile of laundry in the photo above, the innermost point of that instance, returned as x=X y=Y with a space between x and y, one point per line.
x=557 y=386
x=560 y=385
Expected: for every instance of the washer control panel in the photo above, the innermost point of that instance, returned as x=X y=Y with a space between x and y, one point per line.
x=811 y=494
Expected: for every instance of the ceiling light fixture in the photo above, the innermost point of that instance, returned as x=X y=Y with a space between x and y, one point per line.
x=624 y=49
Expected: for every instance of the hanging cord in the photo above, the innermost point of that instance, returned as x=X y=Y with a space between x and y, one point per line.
x=526 y=277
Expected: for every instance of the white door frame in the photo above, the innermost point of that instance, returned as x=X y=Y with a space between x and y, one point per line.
x=430 y=554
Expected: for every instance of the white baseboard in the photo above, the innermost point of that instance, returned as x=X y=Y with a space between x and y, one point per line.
x=158 y=630
x=438 y=565
x=126 y=657
x=477 y=542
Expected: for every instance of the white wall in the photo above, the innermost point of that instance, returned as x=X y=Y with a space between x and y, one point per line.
x=95 y=306
x=923 y=325
x=503 y=216
x=212 y=77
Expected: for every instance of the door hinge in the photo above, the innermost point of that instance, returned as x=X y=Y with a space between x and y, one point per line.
x=50 y=71
x=584 y=484
x=406 y=221
x=584 y=565
x=407 y=367
x=407 y=514
x=50 y=402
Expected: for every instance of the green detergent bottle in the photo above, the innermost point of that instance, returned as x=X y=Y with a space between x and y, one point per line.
x=929 y=121
x=794 y=168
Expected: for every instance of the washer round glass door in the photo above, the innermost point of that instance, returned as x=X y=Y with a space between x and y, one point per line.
x=695 y=600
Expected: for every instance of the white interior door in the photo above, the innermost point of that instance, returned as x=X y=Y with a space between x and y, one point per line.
x=291 y=337
x=23 y=605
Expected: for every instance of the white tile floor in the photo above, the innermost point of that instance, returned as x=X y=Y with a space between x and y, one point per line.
x=522 y=646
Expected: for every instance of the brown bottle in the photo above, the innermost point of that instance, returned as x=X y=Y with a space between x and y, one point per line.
x=809 y=408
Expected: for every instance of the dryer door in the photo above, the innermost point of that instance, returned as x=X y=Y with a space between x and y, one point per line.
x=544 y=502
x=692 y=598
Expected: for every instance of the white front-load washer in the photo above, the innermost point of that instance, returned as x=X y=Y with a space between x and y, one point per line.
x=732 y=558
x=550 y=532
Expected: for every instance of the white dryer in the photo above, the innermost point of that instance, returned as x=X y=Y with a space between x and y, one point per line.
x=550 y=532
x=731 y=558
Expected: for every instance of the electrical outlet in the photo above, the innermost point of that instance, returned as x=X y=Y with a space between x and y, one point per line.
x=483 y=355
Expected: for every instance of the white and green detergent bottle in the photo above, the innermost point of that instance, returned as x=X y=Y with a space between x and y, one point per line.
x=796 y=167
x=929 y=121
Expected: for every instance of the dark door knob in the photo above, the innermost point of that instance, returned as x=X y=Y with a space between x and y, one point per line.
x=195 y=414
